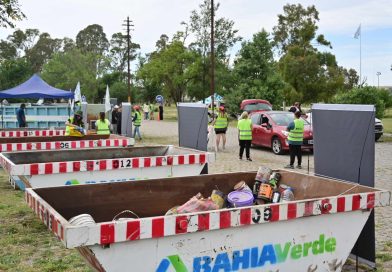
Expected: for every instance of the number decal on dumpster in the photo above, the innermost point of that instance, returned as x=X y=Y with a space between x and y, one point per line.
x=125 y=163
x=266 y=213
x=64 y=145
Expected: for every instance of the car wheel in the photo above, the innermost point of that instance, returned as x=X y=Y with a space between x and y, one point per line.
x=277 y=146
x=378 y=136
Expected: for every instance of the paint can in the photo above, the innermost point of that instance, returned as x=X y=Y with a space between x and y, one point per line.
x=82 y=220
x=265 y=192
x=274 y=183
x=242 y=186
x=218 y=198
x=240 y=198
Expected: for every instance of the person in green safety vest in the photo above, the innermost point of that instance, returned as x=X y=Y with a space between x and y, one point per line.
x=220 y=126
x=295 y=139
x=75 y=121
x=245 y=135
x=102 y=125
x=137 y=121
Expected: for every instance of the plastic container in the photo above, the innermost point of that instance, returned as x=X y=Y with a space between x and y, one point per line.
x=287 y=195
x=240 y=198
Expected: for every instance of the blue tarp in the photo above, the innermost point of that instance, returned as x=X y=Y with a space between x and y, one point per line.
x=35 y=87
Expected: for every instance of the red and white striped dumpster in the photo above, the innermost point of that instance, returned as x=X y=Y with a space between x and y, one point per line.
x=102 y=165
x=31 y=132
x=308 y=234
x=55 y=142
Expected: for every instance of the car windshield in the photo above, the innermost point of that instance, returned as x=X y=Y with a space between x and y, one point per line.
x=257 y=106
x=284 y=119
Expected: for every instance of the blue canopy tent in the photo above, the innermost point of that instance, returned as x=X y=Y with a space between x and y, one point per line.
x=35 y=87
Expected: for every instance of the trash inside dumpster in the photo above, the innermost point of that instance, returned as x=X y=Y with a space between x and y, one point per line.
x=62 y=142
x=90 y=166
x=120 y=225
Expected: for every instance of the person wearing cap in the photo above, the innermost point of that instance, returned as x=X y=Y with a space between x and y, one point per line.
x=137 y=121
x=114 y=119
x=220 y=126
x=20 y=116
x=102 y=125
x=76 y=121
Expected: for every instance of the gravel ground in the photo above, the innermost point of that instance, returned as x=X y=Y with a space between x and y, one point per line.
x=227 y=161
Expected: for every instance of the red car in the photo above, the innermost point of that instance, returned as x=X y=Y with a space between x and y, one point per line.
x=270 y=127
x=252 y=105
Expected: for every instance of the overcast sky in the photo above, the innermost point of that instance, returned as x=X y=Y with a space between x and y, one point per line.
x=338 y=22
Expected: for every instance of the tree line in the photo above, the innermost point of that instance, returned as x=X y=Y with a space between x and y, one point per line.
x=288 y=64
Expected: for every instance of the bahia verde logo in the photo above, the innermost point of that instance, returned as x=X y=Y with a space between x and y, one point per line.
x=250 y=258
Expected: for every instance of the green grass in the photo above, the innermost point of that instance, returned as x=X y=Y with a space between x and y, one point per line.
x=387 y=123
x=25 y=242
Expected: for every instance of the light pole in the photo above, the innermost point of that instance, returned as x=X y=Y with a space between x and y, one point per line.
x=378 y=79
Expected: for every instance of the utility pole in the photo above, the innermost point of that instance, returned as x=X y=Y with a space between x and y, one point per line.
x=212 y=59
x=128 y=24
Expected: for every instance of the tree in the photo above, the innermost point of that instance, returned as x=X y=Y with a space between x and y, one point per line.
x=169 y=69
x=119 y=51
x=366 y=95
x=297 y=26
x=351 y=78
x=42 y=51
x=14 y=72
x=93 y=40
x=312 y=75
x=66 y=69
x=255 y=73
x=225 y=37
x=9 y=12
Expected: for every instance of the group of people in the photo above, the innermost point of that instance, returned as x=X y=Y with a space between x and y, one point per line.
x=295 y=134
x=103 y=125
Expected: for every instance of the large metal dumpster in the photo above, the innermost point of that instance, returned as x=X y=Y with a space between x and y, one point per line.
x=100 y=165
x=25 y=132
x=316 y=232
x=55 y=142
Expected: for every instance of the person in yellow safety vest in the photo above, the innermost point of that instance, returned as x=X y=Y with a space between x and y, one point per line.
x=137 y=121
x=295 y=139
x=245 y=135
x=102 y=125
x=75 y=121
x=220 y=126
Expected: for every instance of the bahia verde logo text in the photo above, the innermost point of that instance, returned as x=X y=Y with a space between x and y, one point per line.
x=249 y=258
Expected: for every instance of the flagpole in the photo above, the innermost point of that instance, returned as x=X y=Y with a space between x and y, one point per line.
x=360 y=55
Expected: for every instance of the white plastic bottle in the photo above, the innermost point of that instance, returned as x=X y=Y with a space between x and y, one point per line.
x=287 y=195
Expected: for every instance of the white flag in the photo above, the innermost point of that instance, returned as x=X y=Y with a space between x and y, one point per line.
x=77 y=94
x=107 y=100
x=358 y=32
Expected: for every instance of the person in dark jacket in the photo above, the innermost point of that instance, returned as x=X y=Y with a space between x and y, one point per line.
x=114 y=119
x=20 y=116
x=119 y=115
